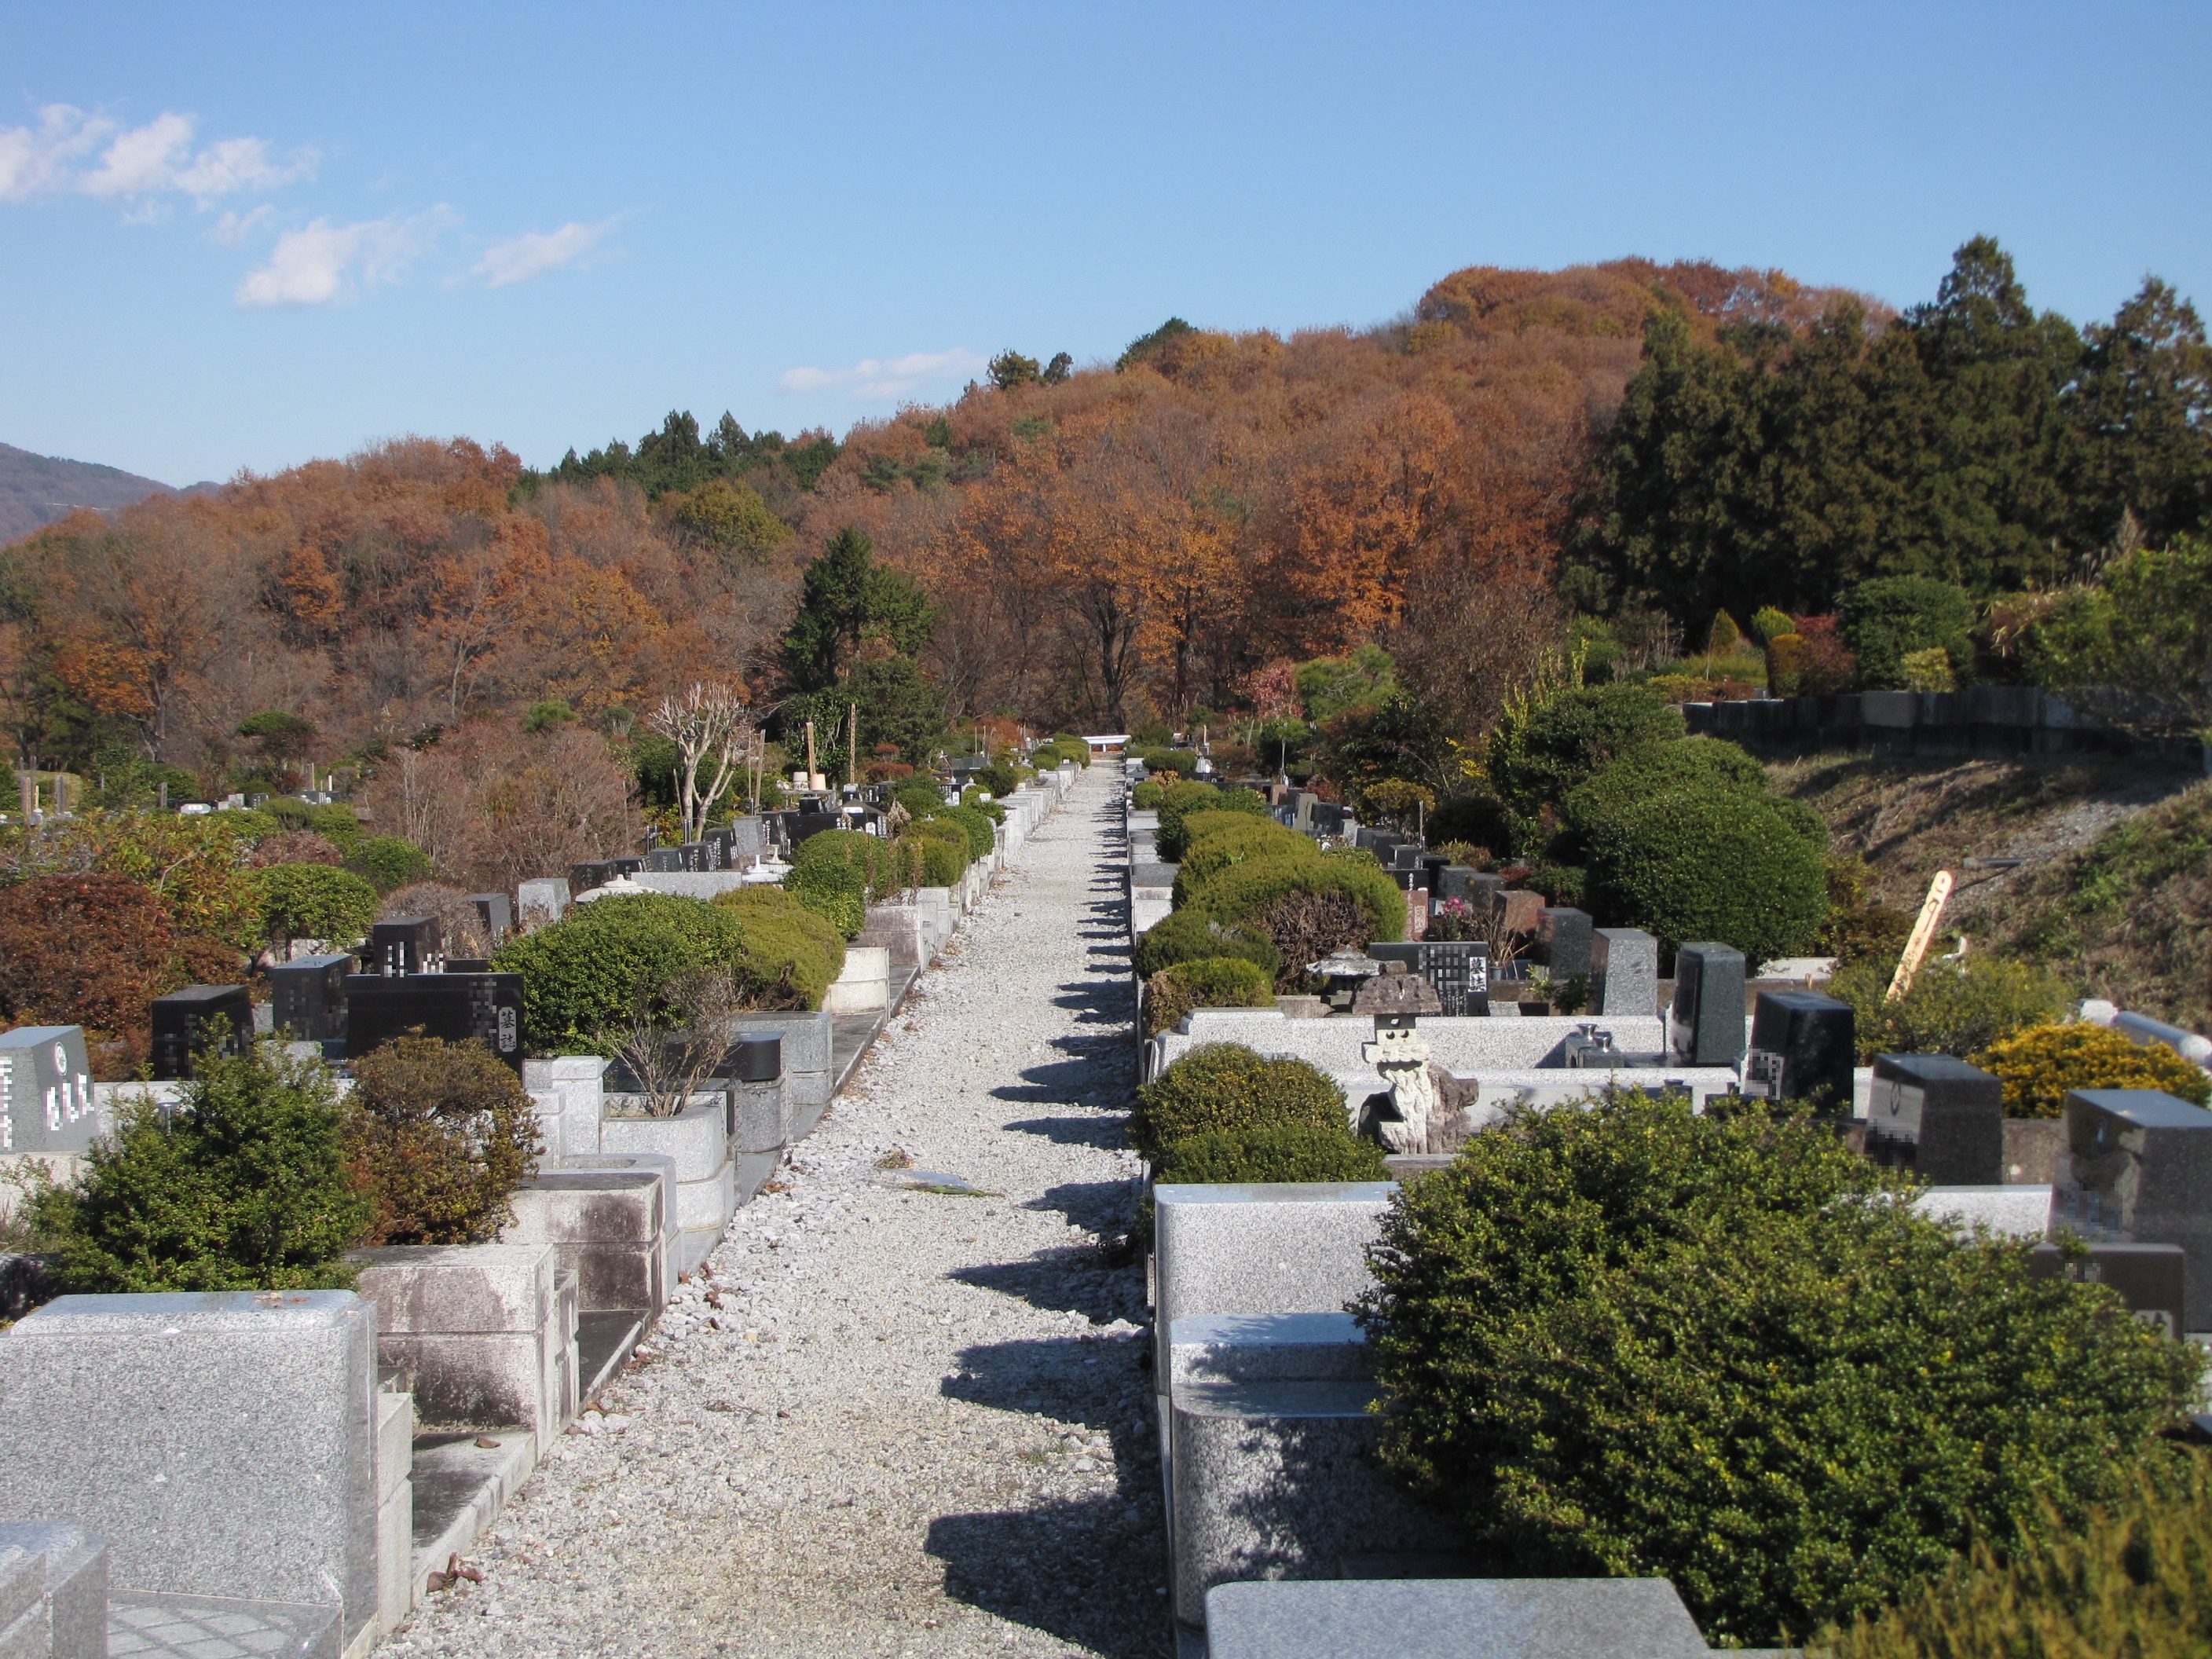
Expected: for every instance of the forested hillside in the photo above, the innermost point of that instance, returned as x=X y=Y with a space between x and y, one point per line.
x=1531 y=475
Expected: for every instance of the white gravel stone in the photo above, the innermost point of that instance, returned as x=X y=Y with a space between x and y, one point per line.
x=883 y=1420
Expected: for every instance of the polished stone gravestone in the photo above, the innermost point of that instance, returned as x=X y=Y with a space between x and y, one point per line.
x=308 y=995
x=543 y=900
x=455 y=1006
x=1804 y=1047
x=1457 y=882
x=2138 y=1168
x=1457 y=970
x=1563 y=933
x=583 y=878
x=46 y=1099
x=2151 y=1279
x=1938 y=1116
x=496 y=914
x=403 y=944
x=742 y=841
x=1624 y=971
x=1705 y=1027
x=184 y=1021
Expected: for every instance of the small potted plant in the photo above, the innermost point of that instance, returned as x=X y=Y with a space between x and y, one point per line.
x=1536 y=992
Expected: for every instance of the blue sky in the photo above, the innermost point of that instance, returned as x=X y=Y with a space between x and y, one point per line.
x=241 y=236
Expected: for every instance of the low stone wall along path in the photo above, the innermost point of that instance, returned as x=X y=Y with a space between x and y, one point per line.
x=902 y=1411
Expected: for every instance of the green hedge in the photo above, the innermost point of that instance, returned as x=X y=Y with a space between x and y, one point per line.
x=1185 y=801
x=943 y=861
x=837 y=894
x=920 y=797
x=785 y=944
x=1226 y=1086
x=1205 y=982
x=1692 y=864
x=1192 y=936
x=1538 y=755
x=1244 y=893
x=982 y=831
x=1275 y=1152
x=972 y=798
x=1223 y=849
x=1147 y=796
x=869 y=857
x=1633 y=1341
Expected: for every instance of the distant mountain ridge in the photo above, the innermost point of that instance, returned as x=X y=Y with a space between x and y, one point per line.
x=37 y=489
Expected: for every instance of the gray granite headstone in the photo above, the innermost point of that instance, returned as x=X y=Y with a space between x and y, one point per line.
x=46 y=1099
x=1624 y=971
x=1938 y=1116
x=221 y=1443
x=1706 y=1026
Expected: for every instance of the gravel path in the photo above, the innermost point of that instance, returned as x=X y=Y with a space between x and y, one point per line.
x=889 y=1421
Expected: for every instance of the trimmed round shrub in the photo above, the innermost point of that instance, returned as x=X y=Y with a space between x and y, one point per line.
x=315 y=901
x=999 y=778
x=1712 y=765
x=1957 y=1008
x=1179 y=801
x=1205 y=982
x=391 y=862
x=944 y=857
x=1281 y=1152
x=1224 y=848
x=982 y=832
x=1633 y=1341
x=1192 y=935
x=1731 y=867
x=1227 y=1086
x=791 y=954
x=972 y=798
x=441 y=1134
x=585 y=977
x=868 y=857
x=87 y=949
x=1249 y=894
x=1147 y=796
x=921 y=798
x=2040 y=1064
x=837 y=894
x=242 y=1187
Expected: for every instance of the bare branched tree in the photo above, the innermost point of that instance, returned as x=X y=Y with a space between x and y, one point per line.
x=712 y=732
x=679 y=1035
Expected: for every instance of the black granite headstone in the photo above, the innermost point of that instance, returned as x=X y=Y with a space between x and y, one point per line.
x=2151 y=1279
x=2137 y=1168
x=307 y=997
x=1706 y=1025
x=454 y=1006
x=1937 y=1116
x=404 y=945
x=183 y=1021
x=496 y=912
x=1803 y=1046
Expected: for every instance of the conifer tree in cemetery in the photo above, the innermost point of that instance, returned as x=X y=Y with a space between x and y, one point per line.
x=243 y=1186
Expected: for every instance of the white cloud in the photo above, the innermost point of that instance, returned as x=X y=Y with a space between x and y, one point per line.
x=137 y=164
x=521 y=257
x=875 y=381
x=234 y=227
x=325 y=263
x=34 y=161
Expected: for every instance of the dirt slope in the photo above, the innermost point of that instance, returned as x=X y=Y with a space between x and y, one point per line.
x=2115 y=890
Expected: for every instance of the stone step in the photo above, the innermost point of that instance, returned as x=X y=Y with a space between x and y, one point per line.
x=460 y=1487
